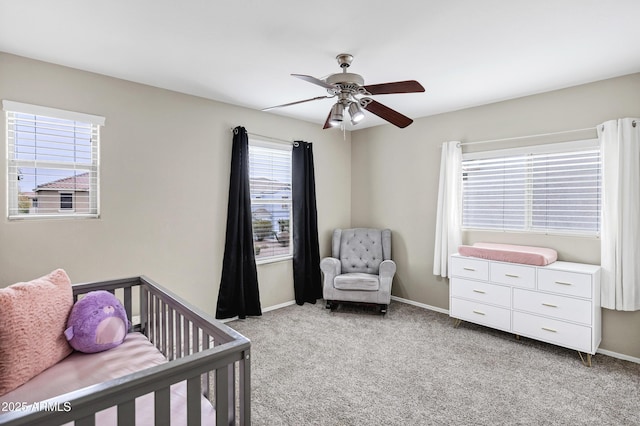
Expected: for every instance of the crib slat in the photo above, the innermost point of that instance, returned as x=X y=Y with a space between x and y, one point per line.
x=172 y=345
x=231 y=392
x=222 y=396
x=179 y=336
x=163 y=328
x=127 y=413
x=196 y=339
x=162 y=407
x=127 y=302
x=245 y=388
x=144 y=308
x=186 y=337
x=206 y=385
x=193 y=402
x=151 y=322
x=157 y=322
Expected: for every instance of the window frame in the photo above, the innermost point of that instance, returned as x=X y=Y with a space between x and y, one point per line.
x=256 y=142
x=15 y=113
x=575 y=146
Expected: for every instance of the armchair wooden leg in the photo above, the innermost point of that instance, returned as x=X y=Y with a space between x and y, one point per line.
x=383 y=309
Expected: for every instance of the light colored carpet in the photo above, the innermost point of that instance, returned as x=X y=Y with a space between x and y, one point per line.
x=311 y=366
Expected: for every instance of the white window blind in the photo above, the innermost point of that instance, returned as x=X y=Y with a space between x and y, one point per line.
x=546 y=190
x=270 y=181
x=53 y=167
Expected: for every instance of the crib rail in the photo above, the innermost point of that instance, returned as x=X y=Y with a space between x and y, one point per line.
x=212 y=358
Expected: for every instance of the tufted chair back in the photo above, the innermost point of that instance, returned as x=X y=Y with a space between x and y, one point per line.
x=361 y=249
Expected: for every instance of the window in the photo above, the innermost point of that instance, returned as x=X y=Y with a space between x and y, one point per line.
x=553 y=188
x=52 y=162
x=66 y=201
x=270 y=181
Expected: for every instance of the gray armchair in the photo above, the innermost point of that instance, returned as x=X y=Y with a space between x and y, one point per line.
x=360 y=269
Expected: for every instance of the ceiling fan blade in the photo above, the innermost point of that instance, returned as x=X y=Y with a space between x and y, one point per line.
x=409 y=86
x=297 y=102
x=384 y=112
x=314 y=80
x=326 y=122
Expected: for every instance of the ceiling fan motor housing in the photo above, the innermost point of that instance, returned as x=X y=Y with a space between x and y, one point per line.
x=345 y=78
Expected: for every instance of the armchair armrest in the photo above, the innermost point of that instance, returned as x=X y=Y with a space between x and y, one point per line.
x=331 y=266
x=387 y=269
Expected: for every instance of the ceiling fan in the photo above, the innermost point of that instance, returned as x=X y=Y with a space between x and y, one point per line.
x=353 y=96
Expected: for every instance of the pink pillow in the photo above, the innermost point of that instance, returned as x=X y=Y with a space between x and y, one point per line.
x=33 y=316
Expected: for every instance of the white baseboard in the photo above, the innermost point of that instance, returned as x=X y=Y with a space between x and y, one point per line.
x=281 y=305
x=420 y=305
x=618 y=355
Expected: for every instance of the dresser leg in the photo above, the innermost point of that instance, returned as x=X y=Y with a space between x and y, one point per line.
x=517 y=337
x=586 y=362
x=456 y=322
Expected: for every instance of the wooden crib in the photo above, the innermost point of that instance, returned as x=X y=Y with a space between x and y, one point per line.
x=208 y=359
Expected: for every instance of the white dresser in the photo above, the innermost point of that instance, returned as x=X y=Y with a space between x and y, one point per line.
x=558 y=303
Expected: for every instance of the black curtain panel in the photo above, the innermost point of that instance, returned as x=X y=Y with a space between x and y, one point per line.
x=238 y=294
x=307 y=281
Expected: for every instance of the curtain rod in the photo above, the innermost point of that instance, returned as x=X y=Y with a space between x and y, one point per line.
x=527 y=137
x=272 y=139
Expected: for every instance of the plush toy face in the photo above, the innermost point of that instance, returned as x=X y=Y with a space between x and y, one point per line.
x=97 y=322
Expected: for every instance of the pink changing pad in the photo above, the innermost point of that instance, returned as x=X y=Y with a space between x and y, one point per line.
x=538 y=256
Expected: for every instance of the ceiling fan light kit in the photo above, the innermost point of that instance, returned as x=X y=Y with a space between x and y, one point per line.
x=337 y=114
x=353 y=96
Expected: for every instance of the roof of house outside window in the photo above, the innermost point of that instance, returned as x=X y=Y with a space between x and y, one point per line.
x=76 y=183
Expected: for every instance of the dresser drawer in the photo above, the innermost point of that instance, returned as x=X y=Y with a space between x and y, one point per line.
x=481 y=292
x=563 y=282
x=480 y=313
x=561 y=307
x=553 y=331
x=511 y=274
x=469 y=268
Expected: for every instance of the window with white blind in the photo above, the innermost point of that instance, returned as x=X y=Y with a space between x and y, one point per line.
x=553 y=188
x=52 y=162
x=270 y=181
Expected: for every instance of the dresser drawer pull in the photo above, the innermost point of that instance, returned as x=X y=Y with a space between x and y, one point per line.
x=478 y=291
x=511 y=275
x=478 y=312
x=468 y=269
x=550 y=305
x=563 y=283
x=549 y=329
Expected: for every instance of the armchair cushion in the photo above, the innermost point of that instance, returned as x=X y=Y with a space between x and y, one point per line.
x=357 y=281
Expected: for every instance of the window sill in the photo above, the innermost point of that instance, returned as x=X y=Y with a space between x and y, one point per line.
x=45 y=217
x=273 y=260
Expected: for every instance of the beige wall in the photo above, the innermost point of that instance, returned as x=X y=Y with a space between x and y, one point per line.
x=157 y=144
x=395 y=182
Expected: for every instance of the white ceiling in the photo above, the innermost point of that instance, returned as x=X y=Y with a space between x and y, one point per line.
x=464 y=52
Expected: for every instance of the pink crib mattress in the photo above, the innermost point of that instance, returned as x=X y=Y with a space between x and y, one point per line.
x=80 y=370
x=538 y=256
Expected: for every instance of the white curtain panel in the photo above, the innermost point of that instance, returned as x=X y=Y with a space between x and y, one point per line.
x=620 y=230
x=448 y=226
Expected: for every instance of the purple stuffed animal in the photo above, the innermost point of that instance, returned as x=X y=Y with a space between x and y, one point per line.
x=97 y=322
